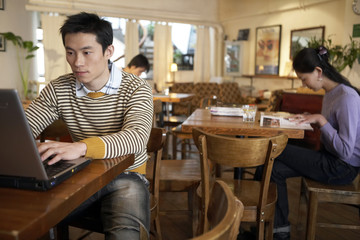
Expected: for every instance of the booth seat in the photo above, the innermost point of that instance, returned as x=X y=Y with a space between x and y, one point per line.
x=226 y=93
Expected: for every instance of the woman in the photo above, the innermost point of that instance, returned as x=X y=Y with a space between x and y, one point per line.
x=338 y=162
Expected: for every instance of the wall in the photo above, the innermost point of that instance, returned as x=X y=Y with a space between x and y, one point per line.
x=19 y=21
x=335 y=15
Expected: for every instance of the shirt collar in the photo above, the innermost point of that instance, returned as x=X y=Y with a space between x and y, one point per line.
x=111 y=87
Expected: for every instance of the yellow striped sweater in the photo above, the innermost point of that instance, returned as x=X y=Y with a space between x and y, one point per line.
x=110 y=125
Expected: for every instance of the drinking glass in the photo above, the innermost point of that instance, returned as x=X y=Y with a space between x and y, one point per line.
x=249 y=113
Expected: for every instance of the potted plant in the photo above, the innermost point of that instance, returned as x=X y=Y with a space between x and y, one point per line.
x=24 y=52
x=340 y=56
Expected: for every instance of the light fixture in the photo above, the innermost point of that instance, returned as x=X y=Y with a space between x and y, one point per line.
x=173 y=69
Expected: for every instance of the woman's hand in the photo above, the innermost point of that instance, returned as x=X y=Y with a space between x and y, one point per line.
x=61 y=150
x=317 y=119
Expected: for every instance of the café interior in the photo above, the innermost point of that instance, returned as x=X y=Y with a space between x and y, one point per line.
x=204 y=54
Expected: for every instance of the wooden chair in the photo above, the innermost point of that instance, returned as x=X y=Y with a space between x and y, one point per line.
x=158 y=118
x=259 y=197
x=185 y=137
x=57 y=131
x=91 y=221
x=316 y=193
x=180 y=176
x=224 y=214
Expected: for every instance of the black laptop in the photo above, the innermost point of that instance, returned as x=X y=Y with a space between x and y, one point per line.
x=20 y=162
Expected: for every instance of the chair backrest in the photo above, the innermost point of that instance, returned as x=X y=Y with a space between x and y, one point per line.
x=224 y=214
x=158 y=113
x=154 y=148
x=235 y=152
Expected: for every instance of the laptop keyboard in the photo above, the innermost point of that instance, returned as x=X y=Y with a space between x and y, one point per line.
x=52 y=170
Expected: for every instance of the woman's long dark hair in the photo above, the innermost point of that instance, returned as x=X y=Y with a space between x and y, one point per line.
x=308 y=59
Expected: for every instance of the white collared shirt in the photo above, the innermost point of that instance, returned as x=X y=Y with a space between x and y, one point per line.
x=111 y=87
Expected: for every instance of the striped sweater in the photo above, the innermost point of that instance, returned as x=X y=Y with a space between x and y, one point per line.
x=110 y=125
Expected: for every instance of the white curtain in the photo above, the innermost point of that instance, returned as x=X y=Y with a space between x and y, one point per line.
x=205 y=54
x=54 y=51
x=163 y=55
x=131 y=41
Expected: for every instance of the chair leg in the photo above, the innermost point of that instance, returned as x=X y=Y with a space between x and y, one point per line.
x=174 y=146
x=62 y=231
x=196 y=214
x=157 y=227
x=183 y=149
x=260 y=230
x=301 y=200
x=311 y=216
x=269 y=230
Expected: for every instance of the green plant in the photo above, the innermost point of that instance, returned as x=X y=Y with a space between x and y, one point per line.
x=339 y=56
x=24 y=52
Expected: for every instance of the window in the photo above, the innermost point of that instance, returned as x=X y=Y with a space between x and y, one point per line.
x=184 y=40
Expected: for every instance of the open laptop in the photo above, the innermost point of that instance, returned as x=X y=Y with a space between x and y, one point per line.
x=20 y=162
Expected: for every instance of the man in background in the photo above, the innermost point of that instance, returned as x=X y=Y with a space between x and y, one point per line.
x=138 y=65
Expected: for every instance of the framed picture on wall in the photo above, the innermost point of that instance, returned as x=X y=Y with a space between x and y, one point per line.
x=2 y=4
x=300 y=38
x=2 y=44
x=267 y=55
x=232 y=58
x=243 y=34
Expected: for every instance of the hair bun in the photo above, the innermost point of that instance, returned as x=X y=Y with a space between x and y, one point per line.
x=323 y=53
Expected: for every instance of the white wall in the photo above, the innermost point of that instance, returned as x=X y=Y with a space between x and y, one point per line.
x=335 y=15
x=19 y=21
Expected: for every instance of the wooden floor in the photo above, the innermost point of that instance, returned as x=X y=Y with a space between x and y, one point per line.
x=176 y=224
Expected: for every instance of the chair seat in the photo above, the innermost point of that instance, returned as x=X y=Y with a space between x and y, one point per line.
x=174 y=120
x=316 y=193
x=326 y=189
x=177 y=131
x=247 y=191
x=178 y=175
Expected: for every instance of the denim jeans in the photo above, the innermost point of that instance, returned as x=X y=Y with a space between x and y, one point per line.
x=296 y=161
x=123 y=205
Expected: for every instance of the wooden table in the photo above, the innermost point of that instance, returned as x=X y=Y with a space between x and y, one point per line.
x=173 y=98
x=30 y=214
x=203 y=119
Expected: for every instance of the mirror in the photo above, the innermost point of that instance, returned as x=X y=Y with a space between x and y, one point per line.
x=300 y=38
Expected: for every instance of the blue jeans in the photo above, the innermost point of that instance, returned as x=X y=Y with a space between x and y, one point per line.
x=320 y=166
x=123 y=205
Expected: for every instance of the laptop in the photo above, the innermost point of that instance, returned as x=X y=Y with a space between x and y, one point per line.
x=20 y=162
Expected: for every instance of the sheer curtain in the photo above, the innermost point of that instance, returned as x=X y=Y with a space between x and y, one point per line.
x=205 y=54
x=163 y=55
x=131 y=40
x=54 y=52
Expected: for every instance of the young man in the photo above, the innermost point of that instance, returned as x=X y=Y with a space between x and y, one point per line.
x=108 y=113
x=138 y=65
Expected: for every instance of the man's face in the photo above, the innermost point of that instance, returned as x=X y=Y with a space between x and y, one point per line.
x=88 y=63
x=137 y=70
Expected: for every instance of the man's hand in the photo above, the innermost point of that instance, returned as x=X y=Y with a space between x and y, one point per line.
x=61 y=150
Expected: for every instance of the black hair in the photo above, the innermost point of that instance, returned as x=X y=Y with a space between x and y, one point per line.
x=140 y=61
x=309 y=58
x=89 y=23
